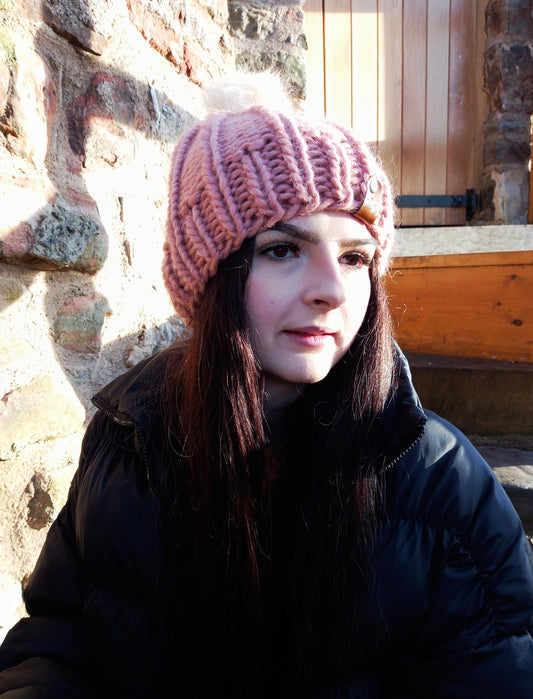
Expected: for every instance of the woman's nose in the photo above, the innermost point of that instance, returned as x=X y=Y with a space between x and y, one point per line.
x=325 y=284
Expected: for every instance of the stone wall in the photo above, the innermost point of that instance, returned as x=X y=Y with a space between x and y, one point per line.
x=508 y=82
x=93 y=95
x=269 y=35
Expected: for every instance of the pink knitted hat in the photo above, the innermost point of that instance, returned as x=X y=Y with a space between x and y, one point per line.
x=236 y=174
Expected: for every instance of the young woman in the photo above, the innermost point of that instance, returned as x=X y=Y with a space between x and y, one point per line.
x=265 y=509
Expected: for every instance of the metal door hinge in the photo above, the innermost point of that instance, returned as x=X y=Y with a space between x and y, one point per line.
x=470 y=201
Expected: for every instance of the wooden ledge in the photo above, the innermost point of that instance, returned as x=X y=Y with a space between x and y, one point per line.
x=475 y=259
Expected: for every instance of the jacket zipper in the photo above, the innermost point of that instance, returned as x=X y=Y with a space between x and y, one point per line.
x=407 y=449
x=125 y=421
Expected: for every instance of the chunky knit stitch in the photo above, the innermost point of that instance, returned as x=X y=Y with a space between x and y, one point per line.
x=236 y=174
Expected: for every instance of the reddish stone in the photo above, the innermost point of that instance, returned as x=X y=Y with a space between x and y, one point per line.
x=168 y=44
x=78 y=324
x=29 y=9
x=510 y=18
x=156 y=31
x=81 y=304
x=508 y=77
x=31 y=106
x=194 y=66
x=77 y=199
x=16 y=242
x=496 y=17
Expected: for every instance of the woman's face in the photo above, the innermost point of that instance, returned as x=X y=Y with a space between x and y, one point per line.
x=306 y=297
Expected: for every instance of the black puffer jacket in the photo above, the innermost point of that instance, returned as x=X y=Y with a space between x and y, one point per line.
x=454 y=570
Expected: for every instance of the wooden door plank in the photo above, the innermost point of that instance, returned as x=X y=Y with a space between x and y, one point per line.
x=338 y=60
x=413 y=105
x=314 y=29
x=461 y=110
x=438 y=56
x=365 y=69
x=390 y=89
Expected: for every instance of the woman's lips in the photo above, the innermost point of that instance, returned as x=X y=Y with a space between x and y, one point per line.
x=311 y=336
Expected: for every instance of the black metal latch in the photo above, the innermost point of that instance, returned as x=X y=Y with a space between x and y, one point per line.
x=470 y=200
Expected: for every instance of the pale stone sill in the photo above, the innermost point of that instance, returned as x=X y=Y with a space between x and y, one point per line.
x=453 y=240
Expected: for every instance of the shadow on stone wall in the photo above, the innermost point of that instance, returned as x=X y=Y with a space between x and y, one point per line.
x=96 y=129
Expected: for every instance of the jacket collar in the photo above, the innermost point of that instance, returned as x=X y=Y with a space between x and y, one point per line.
x=403 y=420
x=134 y=398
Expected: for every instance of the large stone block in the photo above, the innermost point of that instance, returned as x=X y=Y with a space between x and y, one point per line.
x=511 y=187
x=502 y=151
x=79 y=321
x=514 y=125
x=67 y=239
x=261 y=22
x=59 y=239
x=17 y=358
x=73 y=21
x=508 y=77
x=42 y=410
x=509 y=18
x=251 y=22
x=30 y=100
x=507 y=139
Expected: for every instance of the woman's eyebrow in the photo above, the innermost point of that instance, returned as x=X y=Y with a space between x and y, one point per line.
x=296 y=232
x=310 y=237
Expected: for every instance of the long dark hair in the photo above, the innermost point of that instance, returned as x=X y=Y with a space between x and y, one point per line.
x=266 y=603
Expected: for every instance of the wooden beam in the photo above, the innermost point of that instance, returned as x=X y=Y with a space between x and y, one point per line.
x=474 y=305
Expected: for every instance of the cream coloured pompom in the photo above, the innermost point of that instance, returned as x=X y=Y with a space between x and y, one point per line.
x=241 y=90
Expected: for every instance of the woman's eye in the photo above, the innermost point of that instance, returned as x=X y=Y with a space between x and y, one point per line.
x=355 y=259
x=280 y=251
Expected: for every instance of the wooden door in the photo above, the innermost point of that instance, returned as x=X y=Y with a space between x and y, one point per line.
x=406 y=75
